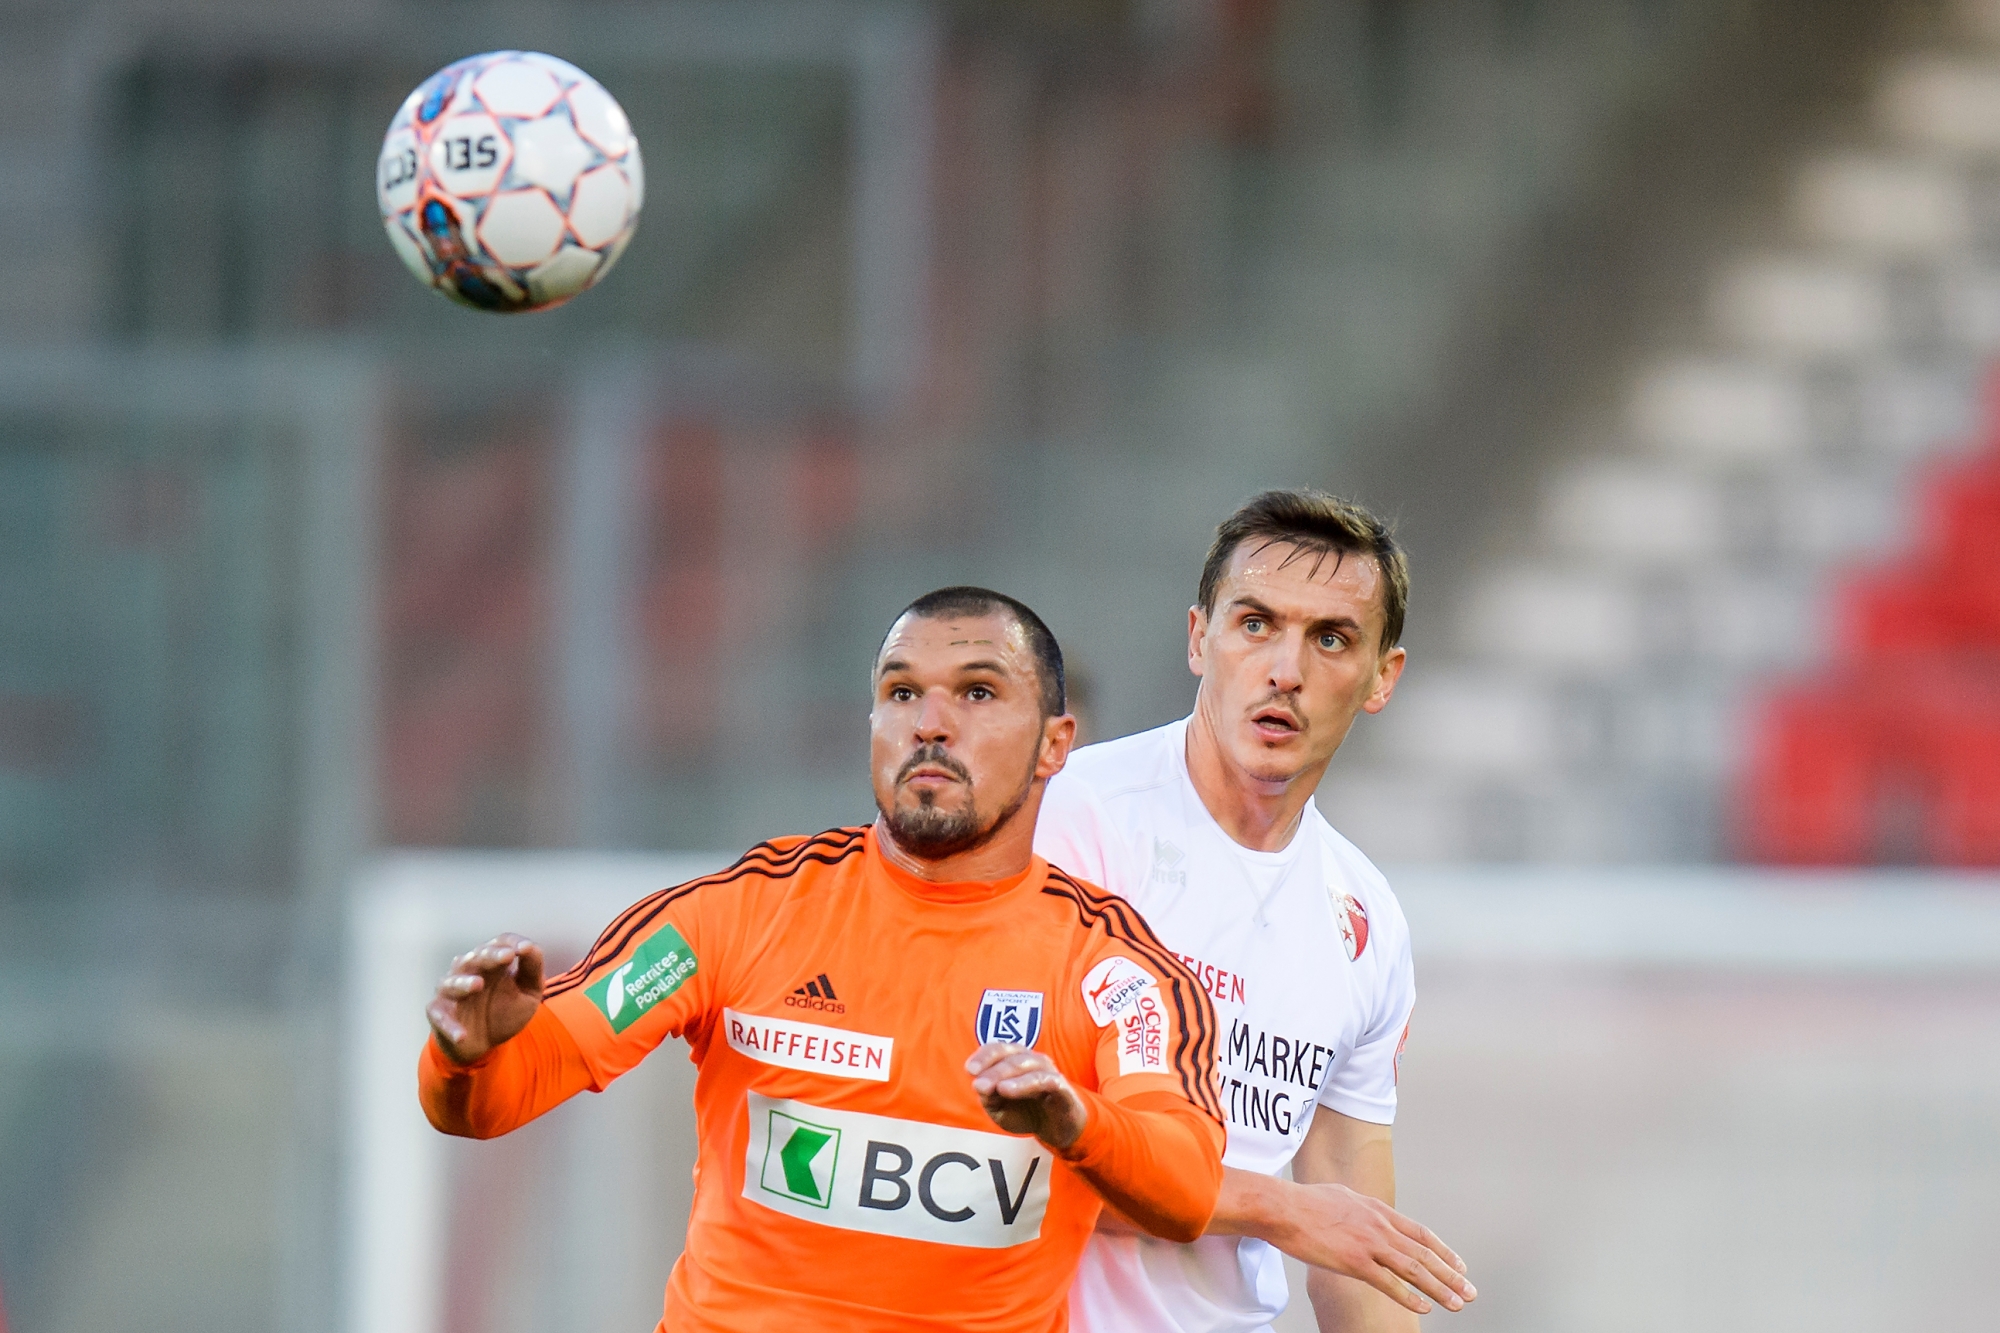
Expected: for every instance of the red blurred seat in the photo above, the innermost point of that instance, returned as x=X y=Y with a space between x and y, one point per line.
x=1912 y=705
x=1964 y=754
x=1812 y=782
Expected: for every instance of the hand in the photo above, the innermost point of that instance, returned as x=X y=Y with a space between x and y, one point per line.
x=488 y=996
x=1344 y=1231
x=1025 y=1093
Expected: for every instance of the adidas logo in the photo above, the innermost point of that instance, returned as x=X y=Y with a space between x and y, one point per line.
x=816 y=994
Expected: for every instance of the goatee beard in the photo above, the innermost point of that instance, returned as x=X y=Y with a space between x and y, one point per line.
x=931 y=834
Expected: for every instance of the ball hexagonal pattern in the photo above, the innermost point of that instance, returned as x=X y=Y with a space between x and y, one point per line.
x=509 y=181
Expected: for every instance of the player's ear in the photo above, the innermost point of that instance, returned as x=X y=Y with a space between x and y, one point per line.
x=1058 y=736
x=1197 y=632
x=1388 y=671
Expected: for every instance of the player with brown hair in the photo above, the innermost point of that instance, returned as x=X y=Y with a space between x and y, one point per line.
x=1208 y=826
x=924 y=1055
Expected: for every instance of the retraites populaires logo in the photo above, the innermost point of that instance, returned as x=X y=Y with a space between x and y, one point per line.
x=1009 y=1015
x=655 y=970
x=817 y=994
x=811 y=1047
x=892 y=1177
x=1120 y=991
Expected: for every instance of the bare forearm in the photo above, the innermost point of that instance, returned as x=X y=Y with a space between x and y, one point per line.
x=1270 y=1209
x=1345 y=1305
x=1337 y=1214
x=1251 y=1204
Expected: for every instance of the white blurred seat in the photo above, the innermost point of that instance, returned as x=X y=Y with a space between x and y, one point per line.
x=1398 y=817
x=1798 y=306
x=1906 y=411
x=1470 y=721
x=1722 y=407
x=1943 y=102
x=1580 y=619
x=1738 y=618
x=1635 y=509
x=1817 y=515
x=1970 y=305
x=1898 y=206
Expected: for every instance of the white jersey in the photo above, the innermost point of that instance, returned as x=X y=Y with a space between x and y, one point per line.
x=1306 y=956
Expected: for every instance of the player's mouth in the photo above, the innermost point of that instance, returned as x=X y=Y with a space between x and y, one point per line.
x=931 y=767
x=1275 y=724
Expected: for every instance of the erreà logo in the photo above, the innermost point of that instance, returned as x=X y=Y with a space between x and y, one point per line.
x=655 y=970
x=890 y=1177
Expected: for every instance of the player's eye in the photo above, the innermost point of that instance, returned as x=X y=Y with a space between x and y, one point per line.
x=1333 y=643
x=901 y=694
x=1253 y=625
x=979 y=694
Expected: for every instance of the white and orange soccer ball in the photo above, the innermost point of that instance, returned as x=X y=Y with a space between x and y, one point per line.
x=510 y=181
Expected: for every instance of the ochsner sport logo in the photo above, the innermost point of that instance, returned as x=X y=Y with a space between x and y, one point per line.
x=1120 y=991
x=895 y=1177
x=655 y=970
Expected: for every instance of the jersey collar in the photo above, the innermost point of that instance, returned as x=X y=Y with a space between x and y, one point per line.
x=959 y=893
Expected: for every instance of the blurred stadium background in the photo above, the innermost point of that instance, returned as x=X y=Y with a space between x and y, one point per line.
x=1666 y=328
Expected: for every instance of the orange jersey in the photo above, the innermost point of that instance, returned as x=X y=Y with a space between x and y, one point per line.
x=847 y=1176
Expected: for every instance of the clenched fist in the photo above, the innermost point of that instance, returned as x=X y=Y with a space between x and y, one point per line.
x=1024 y=1093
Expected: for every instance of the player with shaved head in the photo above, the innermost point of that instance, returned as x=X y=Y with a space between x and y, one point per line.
x=925 y=1055
x=1208 y=826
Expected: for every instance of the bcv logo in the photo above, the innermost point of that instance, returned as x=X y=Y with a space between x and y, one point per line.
x=895 y=1177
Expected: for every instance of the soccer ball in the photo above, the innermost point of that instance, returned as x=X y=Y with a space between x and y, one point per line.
x=510 y=181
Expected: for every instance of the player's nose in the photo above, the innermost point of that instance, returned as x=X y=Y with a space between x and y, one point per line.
x=1286 y=666
x=933 y=718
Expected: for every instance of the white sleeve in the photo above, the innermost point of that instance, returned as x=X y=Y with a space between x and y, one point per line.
x=1364 y=1084
x=1074 y=833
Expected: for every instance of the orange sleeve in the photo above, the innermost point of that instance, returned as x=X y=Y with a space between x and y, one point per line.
x=538 y=1070
x=1155 y=1157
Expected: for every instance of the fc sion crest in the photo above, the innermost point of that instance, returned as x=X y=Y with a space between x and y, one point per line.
x=1353 y=919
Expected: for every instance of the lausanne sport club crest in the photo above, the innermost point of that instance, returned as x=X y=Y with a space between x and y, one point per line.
x=1010 y=1015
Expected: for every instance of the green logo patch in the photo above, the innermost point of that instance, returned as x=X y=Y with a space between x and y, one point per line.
x=799 y=1158
x=655 y=970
